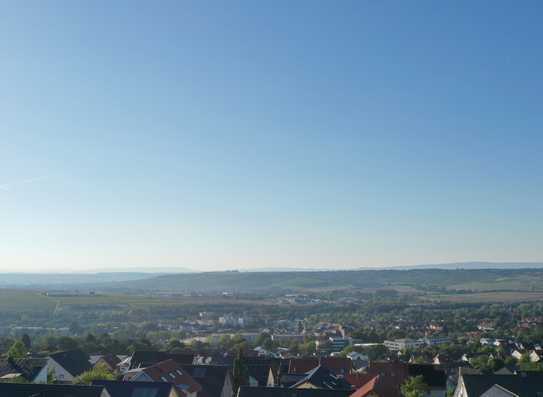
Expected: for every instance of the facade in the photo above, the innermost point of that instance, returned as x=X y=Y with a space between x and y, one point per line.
x=403 y=344
x=66 y=366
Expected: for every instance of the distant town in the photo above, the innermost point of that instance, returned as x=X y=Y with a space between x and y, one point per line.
x=382 y=335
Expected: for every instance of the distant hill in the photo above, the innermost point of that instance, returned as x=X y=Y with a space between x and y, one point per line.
x=68 y=279
x=419 y=278
x=477 y=265
x=468 y=276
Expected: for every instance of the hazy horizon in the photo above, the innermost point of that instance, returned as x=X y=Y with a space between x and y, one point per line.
x=257 y=135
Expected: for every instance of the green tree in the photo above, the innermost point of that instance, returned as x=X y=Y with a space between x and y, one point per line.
x=240 y=372
x=525 y=364
x=414 y=387
x=26 y=341
x=51 y=378
x=67 y=343
x=99 y=372
x=175 y=346
x=17 y=350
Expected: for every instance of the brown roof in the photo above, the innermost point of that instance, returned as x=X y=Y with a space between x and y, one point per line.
x=390 y=376
x=302 y=365
x=171 y=372
x=338 y=365
x=358 y=379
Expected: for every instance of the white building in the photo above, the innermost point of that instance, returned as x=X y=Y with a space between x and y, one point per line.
x=403 y=344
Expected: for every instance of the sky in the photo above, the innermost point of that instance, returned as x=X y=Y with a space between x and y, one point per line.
x=250 y=134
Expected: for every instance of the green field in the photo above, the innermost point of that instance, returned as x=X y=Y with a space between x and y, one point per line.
x=18 y=301
x=489 y=297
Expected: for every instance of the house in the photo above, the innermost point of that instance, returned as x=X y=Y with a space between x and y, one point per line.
x=302 y=365
x=258 y=375
x=66 y=366
x=435 y=378
x=288 y=380
x=338 y=365
x=359 y=360
x=358 y=379
x=124 y=365
x=375 y=387
x=109 y=361
x=436 y=340
x=440 y=359
x=248 y=391
x=134 y=389
x=166 y=371
x=262 y=370
x=45 y=390
x=521 y=385
x=146 y=358
x=333 y=344
x=321 y=378
x=31 y=370
x=216 y=380
x=498 y=391
x=534 y=356
x=386 y=379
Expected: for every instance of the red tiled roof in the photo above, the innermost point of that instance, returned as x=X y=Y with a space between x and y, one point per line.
x=171 y=372
x=387 y=378
x=367 y=388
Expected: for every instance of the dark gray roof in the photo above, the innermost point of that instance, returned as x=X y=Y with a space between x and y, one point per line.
x=322 y=377
x=525 y=384
x=146 y=358
x=40 y=390
x=259 y=373
x=210 y=377
x=135 y=389
x=287 y=380
x=74 y=361
x=247 y=391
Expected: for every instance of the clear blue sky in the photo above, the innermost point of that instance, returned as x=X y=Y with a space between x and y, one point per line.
x=216 y=135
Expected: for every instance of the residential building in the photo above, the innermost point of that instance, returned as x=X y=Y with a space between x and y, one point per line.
x=166 y=371
x=479 y=385
x=31 y=370
x=46 y=390
x=146 y=358
x=247 y=391
x=110 y=361
x=135 y=389
x=384 y=379
x=66 y=366
x=321 y=378
x=216 y=380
